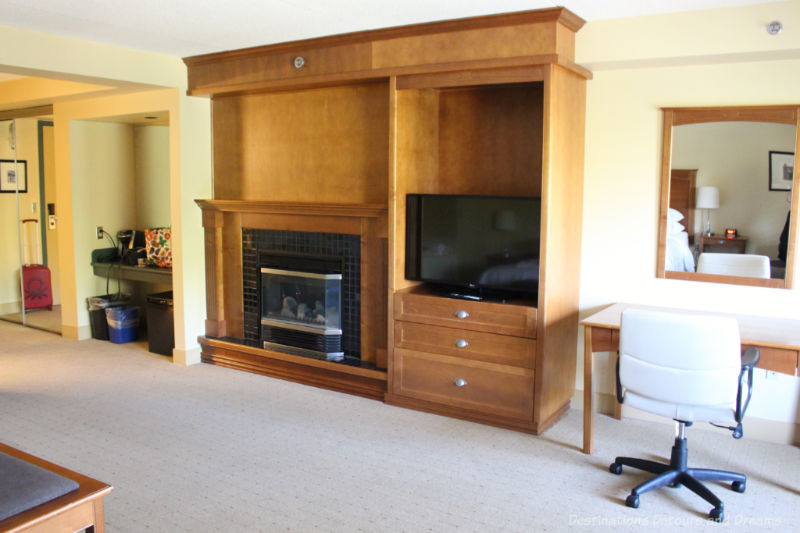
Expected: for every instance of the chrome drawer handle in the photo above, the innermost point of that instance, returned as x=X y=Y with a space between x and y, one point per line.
x=462 y=314
x=460 y=382
x=462 y=343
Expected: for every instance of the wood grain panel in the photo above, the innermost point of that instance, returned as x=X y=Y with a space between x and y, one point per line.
x=324 y=374
x=731 y=280
x=695 y=115
x=416 y=157
x=776 y=359
x=605 y=340
x=215 y=287
x=682 y=197
x=666 y=182
x=504 y=319
x=346 y=58
x=271 y=145
x=480 y=346
x=231 y=257
x=472 y=77
x=279 y=64
x=489 y=388
x=374 y=293
x=329 y=224
x=490 y=140
x=482 y=43
x=562 y=200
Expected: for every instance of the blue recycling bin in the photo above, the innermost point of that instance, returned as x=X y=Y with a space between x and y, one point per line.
x=123 y=323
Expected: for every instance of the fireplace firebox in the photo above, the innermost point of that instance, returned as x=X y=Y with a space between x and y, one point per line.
x=301 y=312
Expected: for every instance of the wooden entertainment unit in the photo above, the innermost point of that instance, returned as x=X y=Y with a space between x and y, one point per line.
x=331 y=134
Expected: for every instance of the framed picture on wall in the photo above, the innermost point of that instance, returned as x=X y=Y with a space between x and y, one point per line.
x=781 y=171
x=13 y=176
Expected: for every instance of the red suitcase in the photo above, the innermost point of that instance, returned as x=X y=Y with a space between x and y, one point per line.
x=35 y=277
x=38 y=292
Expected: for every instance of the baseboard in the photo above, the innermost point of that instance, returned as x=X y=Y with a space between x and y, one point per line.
x=9 y=308
x=754 y=428
x=80 y=333
x=188 y=357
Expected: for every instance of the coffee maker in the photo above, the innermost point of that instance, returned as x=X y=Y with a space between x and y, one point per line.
x=129 y=243
x=124 y=241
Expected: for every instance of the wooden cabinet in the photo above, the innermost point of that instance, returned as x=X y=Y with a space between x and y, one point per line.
x=483 y=367
x=490 y=105
x=734 y=244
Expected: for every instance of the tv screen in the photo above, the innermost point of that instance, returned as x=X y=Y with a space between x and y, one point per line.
x=480 y=246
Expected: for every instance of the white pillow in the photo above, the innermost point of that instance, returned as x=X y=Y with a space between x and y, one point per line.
x=673 y=215
x=675 y=227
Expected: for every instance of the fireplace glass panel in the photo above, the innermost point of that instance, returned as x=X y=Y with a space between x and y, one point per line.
x=304 y=301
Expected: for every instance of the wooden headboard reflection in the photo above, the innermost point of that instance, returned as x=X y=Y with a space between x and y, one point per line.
x=681 y=197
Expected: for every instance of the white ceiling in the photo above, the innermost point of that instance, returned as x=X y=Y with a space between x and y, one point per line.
x=190 y=27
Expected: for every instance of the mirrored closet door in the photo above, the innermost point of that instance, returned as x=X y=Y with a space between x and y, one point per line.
x=29 y=292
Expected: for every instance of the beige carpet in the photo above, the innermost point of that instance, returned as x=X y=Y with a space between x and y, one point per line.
x=206 y=449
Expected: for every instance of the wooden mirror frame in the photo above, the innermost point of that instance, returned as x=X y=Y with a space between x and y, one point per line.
x=678 y=116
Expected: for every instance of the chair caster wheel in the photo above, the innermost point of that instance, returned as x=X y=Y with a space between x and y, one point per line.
x=716 y=514
x=632 y=501
x=615 y=468
x=738 y=486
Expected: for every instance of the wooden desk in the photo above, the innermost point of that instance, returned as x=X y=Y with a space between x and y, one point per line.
x=738 y=244
x=74 y=511
x=778 y=340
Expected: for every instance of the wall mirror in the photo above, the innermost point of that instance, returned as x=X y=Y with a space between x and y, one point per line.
x=729 y=195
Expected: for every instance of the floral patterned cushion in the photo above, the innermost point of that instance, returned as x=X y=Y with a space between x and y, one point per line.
x=159 y=248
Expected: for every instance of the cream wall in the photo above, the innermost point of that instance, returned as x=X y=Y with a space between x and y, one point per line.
x=151 y=153
x=49 y=56
x=103 y=191
x=640 y=65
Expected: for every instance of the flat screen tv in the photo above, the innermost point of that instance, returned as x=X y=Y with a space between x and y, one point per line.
x=476 y=247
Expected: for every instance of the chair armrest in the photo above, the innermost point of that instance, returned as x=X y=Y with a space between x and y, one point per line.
x=750 y=358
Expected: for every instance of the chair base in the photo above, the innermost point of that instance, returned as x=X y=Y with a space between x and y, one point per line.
x=676 y=474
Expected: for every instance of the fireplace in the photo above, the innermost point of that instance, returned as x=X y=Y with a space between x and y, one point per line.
x=302 y=292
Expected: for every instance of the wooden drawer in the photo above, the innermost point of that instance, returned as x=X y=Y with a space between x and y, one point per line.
x=486 y=388
x=468 y=344
x=605 y=340
x=776 y=359
x=506 y=319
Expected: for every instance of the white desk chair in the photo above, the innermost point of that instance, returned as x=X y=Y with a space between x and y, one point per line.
x=745 y=265
x=688 y=368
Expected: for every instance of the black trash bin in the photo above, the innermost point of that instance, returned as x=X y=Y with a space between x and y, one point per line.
x=97 y=312
x=160 y=323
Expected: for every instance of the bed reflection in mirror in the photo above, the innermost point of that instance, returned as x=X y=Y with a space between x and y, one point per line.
x=725 y=196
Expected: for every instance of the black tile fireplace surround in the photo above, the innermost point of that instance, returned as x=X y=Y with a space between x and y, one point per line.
x=260 y=247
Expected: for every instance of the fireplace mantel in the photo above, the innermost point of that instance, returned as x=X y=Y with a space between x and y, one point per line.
x=223 y=221
x=294 y=208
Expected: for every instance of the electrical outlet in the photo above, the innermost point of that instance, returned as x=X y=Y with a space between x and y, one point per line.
x=99 y=232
